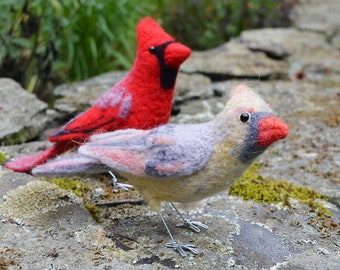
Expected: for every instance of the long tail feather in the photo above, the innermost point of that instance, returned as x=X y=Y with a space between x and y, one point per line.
x=28 y=162
x=70 y=165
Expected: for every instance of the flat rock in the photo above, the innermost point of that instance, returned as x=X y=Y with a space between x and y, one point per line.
x=309 y=51
x=39 y=228
x=198 y=111
x=280 y=42
x=192 y=86
x=44 y=226
x=234 y=59
x=22 y=115
x=318 y=16
x=336 y=40
x=76 y=97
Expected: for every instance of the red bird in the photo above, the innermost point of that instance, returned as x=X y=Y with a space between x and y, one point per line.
x=141 y=100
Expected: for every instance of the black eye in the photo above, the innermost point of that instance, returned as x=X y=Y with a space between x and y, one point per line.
x=152 y=49
x=244 y=117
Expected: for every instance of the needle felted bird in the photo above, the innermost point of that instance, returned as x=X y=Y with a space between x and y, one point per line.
x=181 y=162
x=142 y=99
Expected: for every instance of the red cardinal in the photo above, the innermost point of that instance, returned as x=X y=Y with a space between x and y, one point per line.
x=141 y=100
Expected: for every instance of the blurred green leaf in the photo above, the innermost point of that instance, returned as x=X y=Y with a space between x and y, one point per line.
x=44 y=42
x=21 y=42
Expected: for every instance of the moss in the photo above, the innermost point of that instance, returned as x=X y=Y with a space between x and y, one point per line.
x=95 y=211
x=21 y=136
x=77 y=187
x=2 y=158
x=252 y=186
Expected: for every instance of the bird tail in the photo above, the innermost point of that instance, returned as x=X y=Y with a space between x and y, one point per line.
x=28 y=162
x=70 y=165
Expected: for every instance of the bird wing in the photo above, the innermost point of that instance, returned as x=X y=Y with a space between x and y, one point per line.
x=179 y=150
x=107 y=114
x=165 y=152
x=123 y=150
x=70 y=165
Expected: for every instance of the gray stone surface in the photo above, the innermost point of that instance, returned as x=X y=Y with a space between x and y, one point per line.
x=192 y=86
x=318 y=16
x=280 y=42
x=234 y=59
x=22 y=115
x=309 y=52
x=45 y=227
x=76 y=97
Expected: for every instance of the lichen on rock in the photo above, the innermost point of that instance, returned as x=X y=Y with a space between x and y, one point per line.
x=252 y=186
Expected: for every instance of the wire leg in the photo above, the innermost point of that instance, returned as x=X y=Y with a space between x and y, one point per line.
x=194 y=225
x=173 y=244
x=117 y=186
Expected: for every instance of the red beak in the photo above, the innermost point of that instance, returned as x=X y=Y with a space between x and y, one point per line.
x=271 y=129
x=175 y=54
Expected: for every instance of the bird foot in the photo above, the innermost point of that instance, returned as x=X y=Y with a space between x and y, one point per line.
x=180 y=248
x=193 y=225
x=117 y=186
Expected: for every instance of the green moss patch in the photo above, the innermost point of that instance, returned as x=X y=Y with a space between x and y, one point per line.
x=77 y=187
x=2 y=158
x=95 y=211
x=80 y=189
x=252 y=186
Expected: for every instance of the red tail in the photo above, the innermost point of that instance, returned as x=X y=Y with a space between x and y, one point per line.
x=27 y=163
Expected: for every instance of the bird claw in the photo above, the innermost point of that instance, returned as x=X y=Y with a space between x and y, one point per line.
x=194 y=225
x=180 y=248
x=117 y=186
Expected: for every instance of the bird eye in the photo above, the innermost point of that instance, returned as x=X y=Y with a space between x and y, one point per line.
x=152 y=49
x=244 y=117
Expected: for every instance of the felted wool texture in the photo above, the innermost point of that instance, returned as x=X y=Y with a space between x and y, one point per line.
x=166 y=151
x=182 y=162
x=27 y=162
x=71 y=165
x=180 y=150
x=270 y=130
x=251 y=147
x=138 y=101
x=250 y=100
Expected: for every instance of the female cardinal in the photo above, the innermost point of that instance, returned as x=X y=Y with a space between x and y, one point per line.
x=184 y=162
x=142 y=99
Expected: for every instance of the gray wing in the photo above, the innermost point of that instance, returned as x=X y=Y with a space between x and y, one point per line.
x=167 y=151
x=70 y=165
x=179 y=150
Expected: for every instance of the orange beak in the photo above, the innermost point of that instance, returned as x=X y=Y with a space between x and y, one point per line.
x=175 y=54
x=271 y=129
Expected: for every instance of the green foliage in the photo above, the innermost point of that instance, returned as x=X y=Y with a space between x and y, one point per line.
x=99 y=35
x=24 y=54
x=252 y=186
x=44 y=43
x=208 y=23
